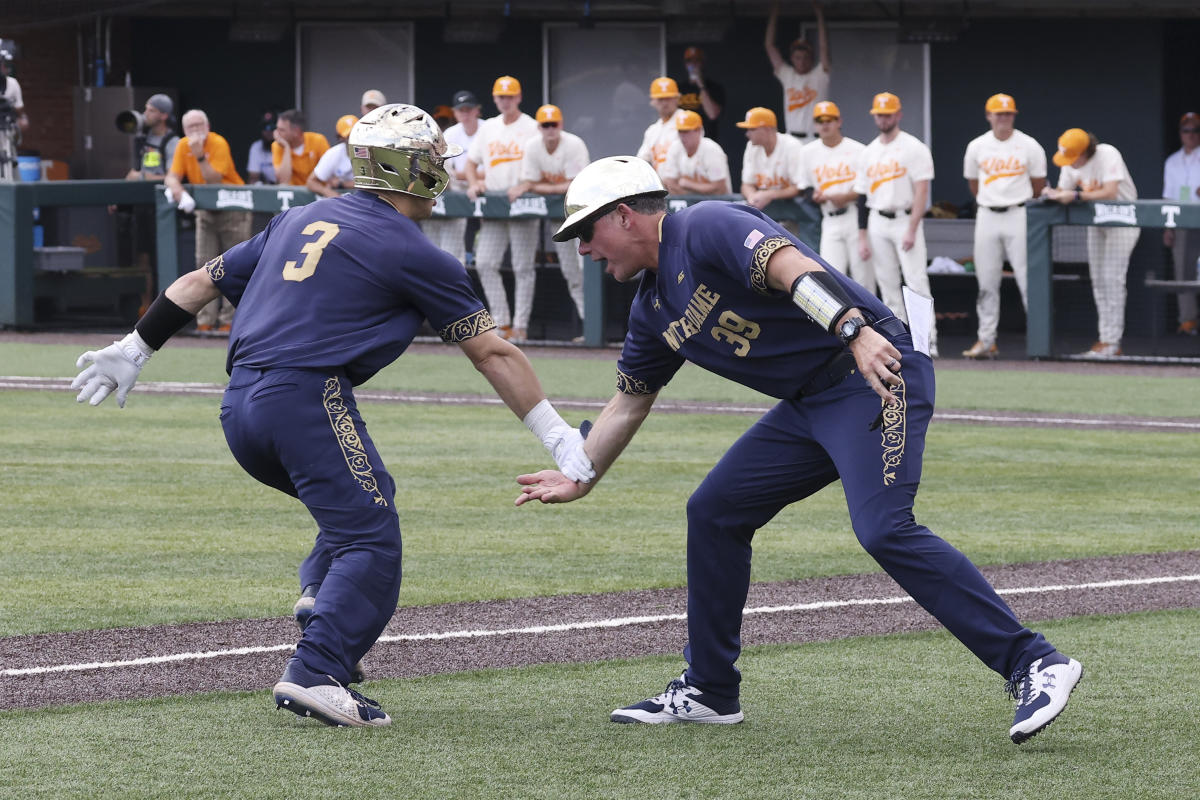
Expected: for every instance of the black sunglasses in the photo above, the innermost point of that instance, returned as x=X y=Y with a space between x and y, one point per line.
x=1189 y=130
x=549 y=124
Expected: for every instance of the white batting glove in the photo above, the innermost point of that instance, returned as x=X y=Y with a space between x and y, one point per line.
x=566 y=445
x=115 y=367
x=562 y=441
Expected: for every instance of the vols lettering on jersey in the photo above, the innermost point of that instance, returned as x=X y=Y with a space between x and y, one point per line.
x=997 y=168
x=503 y=152
x=884 y=171
x=799 y=98
x=830 y=175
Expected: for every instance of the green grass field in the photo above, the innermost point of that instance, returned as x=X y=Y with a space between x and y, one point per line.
x=140 y=516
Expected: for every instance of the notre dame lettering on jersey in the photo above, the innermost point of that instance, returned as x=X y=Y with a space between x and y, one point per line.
x=709 y=253
x=345 y=282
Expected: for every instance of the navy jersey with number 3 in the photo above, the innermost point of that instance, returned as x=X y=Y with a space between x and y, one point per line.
x=342 y=283
x=709 y=304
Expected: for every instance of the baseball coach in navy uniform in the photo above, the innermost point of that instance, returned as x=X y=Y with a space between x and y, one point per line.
x=726 y=288
x=327 y=295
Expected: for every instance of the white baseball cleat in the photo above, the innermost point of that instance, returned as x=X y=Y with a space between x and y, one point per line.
x=681 y=703
x=1041 y=691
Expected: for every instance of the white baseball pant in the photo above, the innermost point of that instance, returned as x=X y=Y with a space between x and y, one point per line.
x=839 y=246
x=1108 y=262
x=1185 y=251
x=572 y=271
x=496 y=236
x=998 y=235
x=891 y=261
x=448 y=234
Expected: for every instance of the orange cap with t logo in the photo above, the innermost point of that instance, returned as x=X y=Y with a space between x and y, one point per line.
x=885 y=103
x=1071 y=146
x=663 y=87
x=759 y=117
x=826 y=108
x=1001 y=103
x=506 y=85
x=549 y=113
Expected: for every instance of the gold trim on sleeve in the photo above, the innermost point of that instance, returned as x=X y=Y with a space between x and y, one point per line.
x=468 y=327
x=627 y=384
x=216 y=268
x=762 y=254
x=349 y=440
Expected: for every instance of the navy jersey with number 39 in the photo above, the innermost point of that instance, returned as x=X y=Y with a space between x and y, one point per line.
x=709 y=303
x=342 y=283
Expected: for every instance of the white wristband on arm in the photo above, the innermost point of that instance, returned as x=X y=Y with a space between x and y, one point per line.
x=563 y=442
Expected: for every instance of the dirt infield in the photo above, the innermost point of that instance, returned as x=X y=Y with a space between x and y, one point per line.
x=181 y=659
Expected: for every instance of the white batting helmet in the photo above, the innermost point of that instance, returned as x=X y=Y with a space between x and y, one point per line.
x=601 y=185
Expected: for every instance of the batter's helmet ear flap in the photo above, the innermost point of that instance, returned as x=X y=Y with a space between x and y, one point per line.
x=603 y=184
x=400 y=148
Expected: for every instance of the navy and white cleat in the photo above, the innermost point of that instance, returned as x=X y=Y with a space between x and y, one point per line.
x=308 y=694
x=1041 y=691
x=681 y=703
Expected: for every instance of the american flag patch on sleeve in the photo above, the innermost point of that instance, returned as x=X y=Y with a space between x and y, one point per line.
x=361 y=151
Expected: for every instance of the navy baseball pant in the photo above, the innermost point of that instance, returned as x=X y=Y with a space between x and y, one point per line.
x=799 y=447
x=300 y=432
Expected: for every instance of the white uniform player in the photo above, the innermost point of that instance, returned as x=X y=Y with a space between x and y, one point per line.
x=552 y=159
x=894 y=175
x=770 y=162
x=498 y=149
x=829 y=167
x=1005 y=169
x=1181 y=184
x=704 y=170
x=449 y=233
x=658 y=138
x=1097 y=172
x=804 y=80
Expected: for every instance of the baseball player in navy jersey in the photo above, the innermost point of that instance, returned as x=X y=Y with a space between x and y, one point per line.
x=327 y=295
x=726 y=288
x=1005 y=169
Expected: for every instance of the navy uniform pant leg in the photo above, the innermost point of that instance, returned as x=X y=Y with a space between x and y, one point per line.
x=300 y=432
x=881 y=472
x=774 y=463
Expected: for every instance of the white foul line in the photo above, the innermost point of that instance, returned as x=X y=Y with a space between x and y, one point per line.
x=616 y=622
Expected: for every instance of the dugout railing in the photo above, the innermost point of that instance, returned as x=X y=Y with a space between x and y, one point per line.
x=18 y=200
x=1061 y=312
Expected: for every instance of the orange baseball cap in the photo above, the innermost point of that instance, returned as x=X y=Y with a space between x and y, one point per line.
x=687 y=120
x=506 y=85
x=549 y=113
x=885 y=103
x=344 y=124
x=1190 y=118
x=1001 y=103
x=826 y=108
x=663 y=87
x=759 y=117
x=1071 y=146
x=693 y=54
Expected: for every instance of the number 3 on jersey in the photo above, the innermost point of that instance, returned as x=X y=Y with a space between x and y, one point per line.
x=312 y=251
x=737 y=330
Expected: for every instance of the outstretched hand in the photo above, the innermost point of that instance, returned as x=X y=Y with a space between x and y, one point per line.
x=549 y=486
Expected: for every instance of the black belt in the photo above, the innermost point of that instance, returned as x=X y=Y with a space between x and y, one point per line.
x=839 y=212
x=1002 y=209
x=829 y=374
x=892 y=214
x=799 y=134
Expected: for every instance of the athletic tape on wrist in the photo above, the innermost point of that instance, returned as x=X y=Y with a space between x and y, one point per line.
x=162 y=320
x=821 y=297
x=542 y=419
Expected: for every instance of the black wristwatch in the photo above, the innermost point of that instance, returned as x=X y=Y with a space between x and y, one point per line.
x=850 y=329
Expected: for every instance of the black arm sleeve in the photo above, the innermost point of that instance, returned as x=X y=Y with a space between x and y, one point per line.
x=863 y=212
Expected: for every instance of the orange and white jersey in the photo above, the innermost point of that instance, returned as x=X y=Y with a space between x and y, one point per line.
x=800 y=92
x=564 y=163
x=657 y=141
x=829 y=169
x=499 y=148
x=1106 y=165
x=888 y=171
x=709 y=163
x=775 y=170
x=1004 y=169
